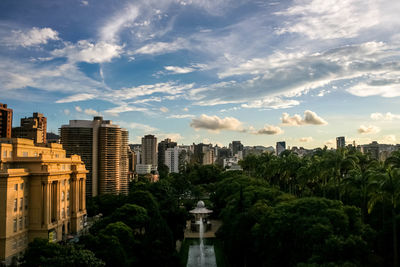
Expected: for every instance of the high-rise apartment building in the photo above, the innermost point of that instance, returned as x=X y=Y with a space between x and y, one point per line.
x=42 y=194
x=149 y=150
x=204 y=154
x=236 y=147
x=340 y=142
x=172 y=158
x=162 y=147
x=280 y=147
x=104 y=150
x=5 y=121
x=34 y=128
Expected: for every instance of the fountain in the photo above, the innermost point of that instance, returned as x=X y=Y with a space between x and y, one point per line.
x=201 y=255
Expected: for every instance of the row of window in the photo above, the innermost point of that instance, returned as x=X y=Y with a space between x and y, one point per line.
x=19 y=223
x=19 y=242
x=5 y=154
x=21 y=186
x=21 y=204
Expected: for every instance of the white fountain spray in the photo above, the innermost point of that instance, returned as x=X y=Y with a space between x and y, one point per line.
x=201 y=233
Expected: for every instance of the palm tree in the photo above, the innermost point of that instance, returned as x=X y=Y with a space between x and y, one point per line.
x=388 y=191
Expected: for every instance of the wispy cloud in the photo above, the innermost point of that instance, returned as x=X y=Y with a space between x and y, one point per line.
x=184 y=116
x=306 y=139
x=387 y=117
x=272 y=103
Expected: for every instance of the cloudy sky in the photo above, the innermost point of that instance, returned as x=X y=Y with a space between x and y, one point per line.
x=304 y=71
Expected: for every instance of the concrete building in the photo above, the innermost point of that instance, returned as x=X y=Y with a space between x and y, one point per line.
x=162 y=147
x=34 y=128
x=103 y=147
x=172 y=158
x=236 y=147
x=5 y=121
x=143 y=168
x=149 y=150
x=340 y=142
x=204 y=154
x=280 y=147
x=42 y=194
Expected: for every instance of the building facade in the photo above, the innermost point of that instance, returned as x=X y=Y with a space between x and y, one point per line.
x=149 y=150
x=34 y=128
x=104 y=150
x=172 y=159
x=5 y=121
x=162 y=148
x=42 y=194
x=280 y=147
x=204 y=154
x=340 y=142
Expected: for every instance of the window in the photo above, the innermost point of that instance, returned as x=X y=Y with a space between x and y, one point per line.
x=62 y=196
x=63 y=182
x=16 y=187
x=56 y=155
x=21 y=203
x=15 y=204
x=26 y=203
x=15 y=225
x=67 y=210
x=10 y=154
x=24 y=154
x=68 y=195
x=63 y=213
x=4 y=154
x=14 y=245
x=21 y=186
x=36 y=154
x=20 y=223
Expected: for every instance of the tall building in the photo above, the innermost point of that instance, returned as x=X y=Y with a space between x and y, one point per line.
x=340 y=142
x=236 y=147
x=34 y=128
x=104 y=150
x=42 y=193
x=172 y=158
x=204 y=154
x=280 y=147
x=5 y=121
x=149 y=150
x=162 y=147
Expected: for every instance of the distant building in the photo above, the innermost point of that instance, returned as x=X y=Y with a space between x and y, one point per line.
x=175 y=157
x=340 y=142
x=42 y=192
x=280 y=147
x=143 y=168
x=149 y=150
x=162 y=148
x=5 y=121
x=204 y=154
x=232 y=163
x=371 y=149
x=257 y=150
x=52 y=138
x=34 y=128
x=103 y=147
x=236 y=147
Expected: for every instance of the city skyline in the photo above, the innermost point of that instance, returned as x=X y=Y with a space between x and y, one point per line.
x=304 y=72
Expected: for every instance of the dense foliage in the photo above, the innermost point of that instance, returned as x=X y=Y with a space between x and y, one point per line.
x=331 y=208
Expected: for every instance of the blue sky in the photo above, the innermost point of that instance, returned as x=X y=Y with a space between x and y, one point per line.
x=304 y=71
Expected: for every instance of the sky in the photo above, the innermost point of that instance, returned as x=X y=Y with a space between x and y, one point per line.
x=213 y=71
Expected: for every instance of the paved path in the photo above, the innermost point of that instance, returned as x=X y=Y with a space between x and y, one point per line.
x=215 y=225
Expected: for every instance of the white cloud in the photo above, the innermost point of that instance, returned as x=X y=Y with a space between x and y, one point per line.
x=66 y=111
x=32 y=37
x=164 y=109
x=370 y=129
x=160 y=47
x=306 y=139
x=365 y=89
x=184 y=116
x=91 y=112
x=387 y=117
x=214 y=123
x=125 y=108
x=85 y=3
x=179 y=70
x=76 y=98
x=322 y=19
x=85 y=51
x=78 y=108
x=269 y=130
x=310 y=118
x=272 y=103
x=137 y=126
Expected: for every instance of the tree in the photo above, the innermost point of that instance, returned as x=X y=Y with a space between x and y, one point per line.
x=42 y=253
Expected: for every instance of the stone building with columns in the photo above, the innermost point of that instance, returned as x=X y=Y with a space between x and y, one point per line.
x=42 y=194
